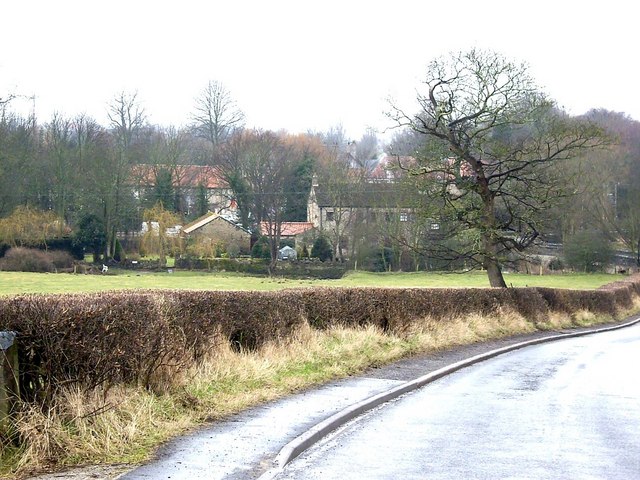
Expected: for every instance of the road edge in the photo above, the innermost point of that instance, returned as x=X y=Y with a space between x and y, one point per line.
x=302 y=442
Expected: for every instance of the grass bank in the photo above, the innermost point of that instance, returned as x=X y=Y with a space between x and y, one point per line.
x=12 y=283
x=126 y=423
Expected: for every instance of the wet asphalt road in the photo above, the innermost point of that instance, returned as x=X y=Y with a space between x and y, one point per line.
x=243 y=446
x=563 y=410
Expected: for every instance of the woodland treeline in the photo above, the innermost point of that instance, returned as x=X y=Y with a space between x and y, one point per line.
x=80 y=170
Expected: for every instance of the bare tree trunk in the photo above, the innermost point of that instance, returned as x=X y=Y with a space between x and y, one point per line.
x=494 y=273
x=273 y=261
x=489 y=246
x=491 y=264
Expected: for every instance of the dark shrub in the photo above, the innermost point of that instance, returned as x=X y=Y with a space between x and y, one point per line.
x=306 y=269
x=67 y=244
x=556 y=265
x=322 y=249
x=252 y=266
x=90 y=235
x=383 y=259
x=119 y=255
x=60 y=259
x=21 y=259
x=588 y=251
x=34 y=260
x=261 y=249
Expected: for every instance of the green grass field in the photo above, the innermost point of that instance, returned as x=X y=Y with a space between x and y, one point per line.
x=12 y=283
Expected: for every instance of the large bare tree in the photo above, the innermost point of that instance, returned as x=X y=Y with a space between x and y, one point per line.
x=491 y=139
x=216 y=114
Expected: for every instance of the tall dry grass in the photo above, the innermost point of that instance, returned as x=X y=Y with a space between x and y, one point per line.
x=125 y=423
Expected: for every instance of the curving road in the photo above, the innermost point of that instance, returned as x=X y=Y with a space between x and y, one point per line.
x=563 y=410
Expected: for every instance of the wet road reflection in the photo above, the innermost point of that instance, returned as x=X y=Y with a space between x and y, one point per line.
x=568 y=409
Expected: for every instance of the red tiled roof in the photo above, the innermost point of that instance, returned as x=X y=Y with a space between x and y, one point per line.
x=182 y=175
x=288 y=229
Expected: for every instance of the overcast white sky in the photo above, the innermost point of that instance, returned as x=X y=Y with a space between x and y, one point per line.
x=305 y=65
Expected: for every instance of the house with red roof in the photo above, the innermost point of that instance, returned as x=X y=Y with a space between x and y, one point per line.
x=299 y=233
x=187 y=181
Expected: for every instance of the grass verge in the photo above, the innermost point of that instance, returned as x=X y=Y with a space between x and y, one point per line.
x=126 y=423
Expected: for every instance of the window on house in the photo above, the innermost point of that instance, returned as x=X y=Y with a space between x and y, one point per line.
x=404 y=217
x=330 y=217
x=435 y=226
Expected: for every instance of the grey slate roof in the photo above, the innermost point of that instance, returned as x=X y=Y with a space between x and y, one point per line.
x=368 y=195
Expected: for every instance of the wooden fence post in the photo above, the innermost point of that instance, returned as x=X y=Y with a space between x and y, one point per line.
x=9 y=386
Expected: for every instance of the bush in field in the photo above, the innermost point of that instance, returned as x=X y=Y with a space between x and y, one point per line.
x=33 y=260
x=26 y=260
x=322 y=249
x=157 y=239
x=90 y=235
x=29 y=227
x=119 y=254
x=204 y=247
x=233 y=250
x=556 y=265
x=382 y=259
x=588 y=251
x=60 y=259
x=261 y=249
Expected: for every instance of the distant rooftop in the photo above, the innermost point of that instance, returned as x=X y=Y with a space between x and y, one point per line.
x=182 y=175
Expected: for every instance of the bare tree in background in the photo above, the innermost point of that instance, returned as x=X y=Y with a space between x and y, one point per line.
x=609 y=184
x=333 y=175
x=366 y=152
x=4 y=101
x=216 y=114
x=91 y=159
x=126 y=117
x=58 y=148
x=165 y=151
x=23 y=181
x=260 y=167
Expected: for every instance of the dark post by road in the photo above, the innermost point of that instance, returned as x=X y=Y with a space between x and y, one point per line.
x=9 y=386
